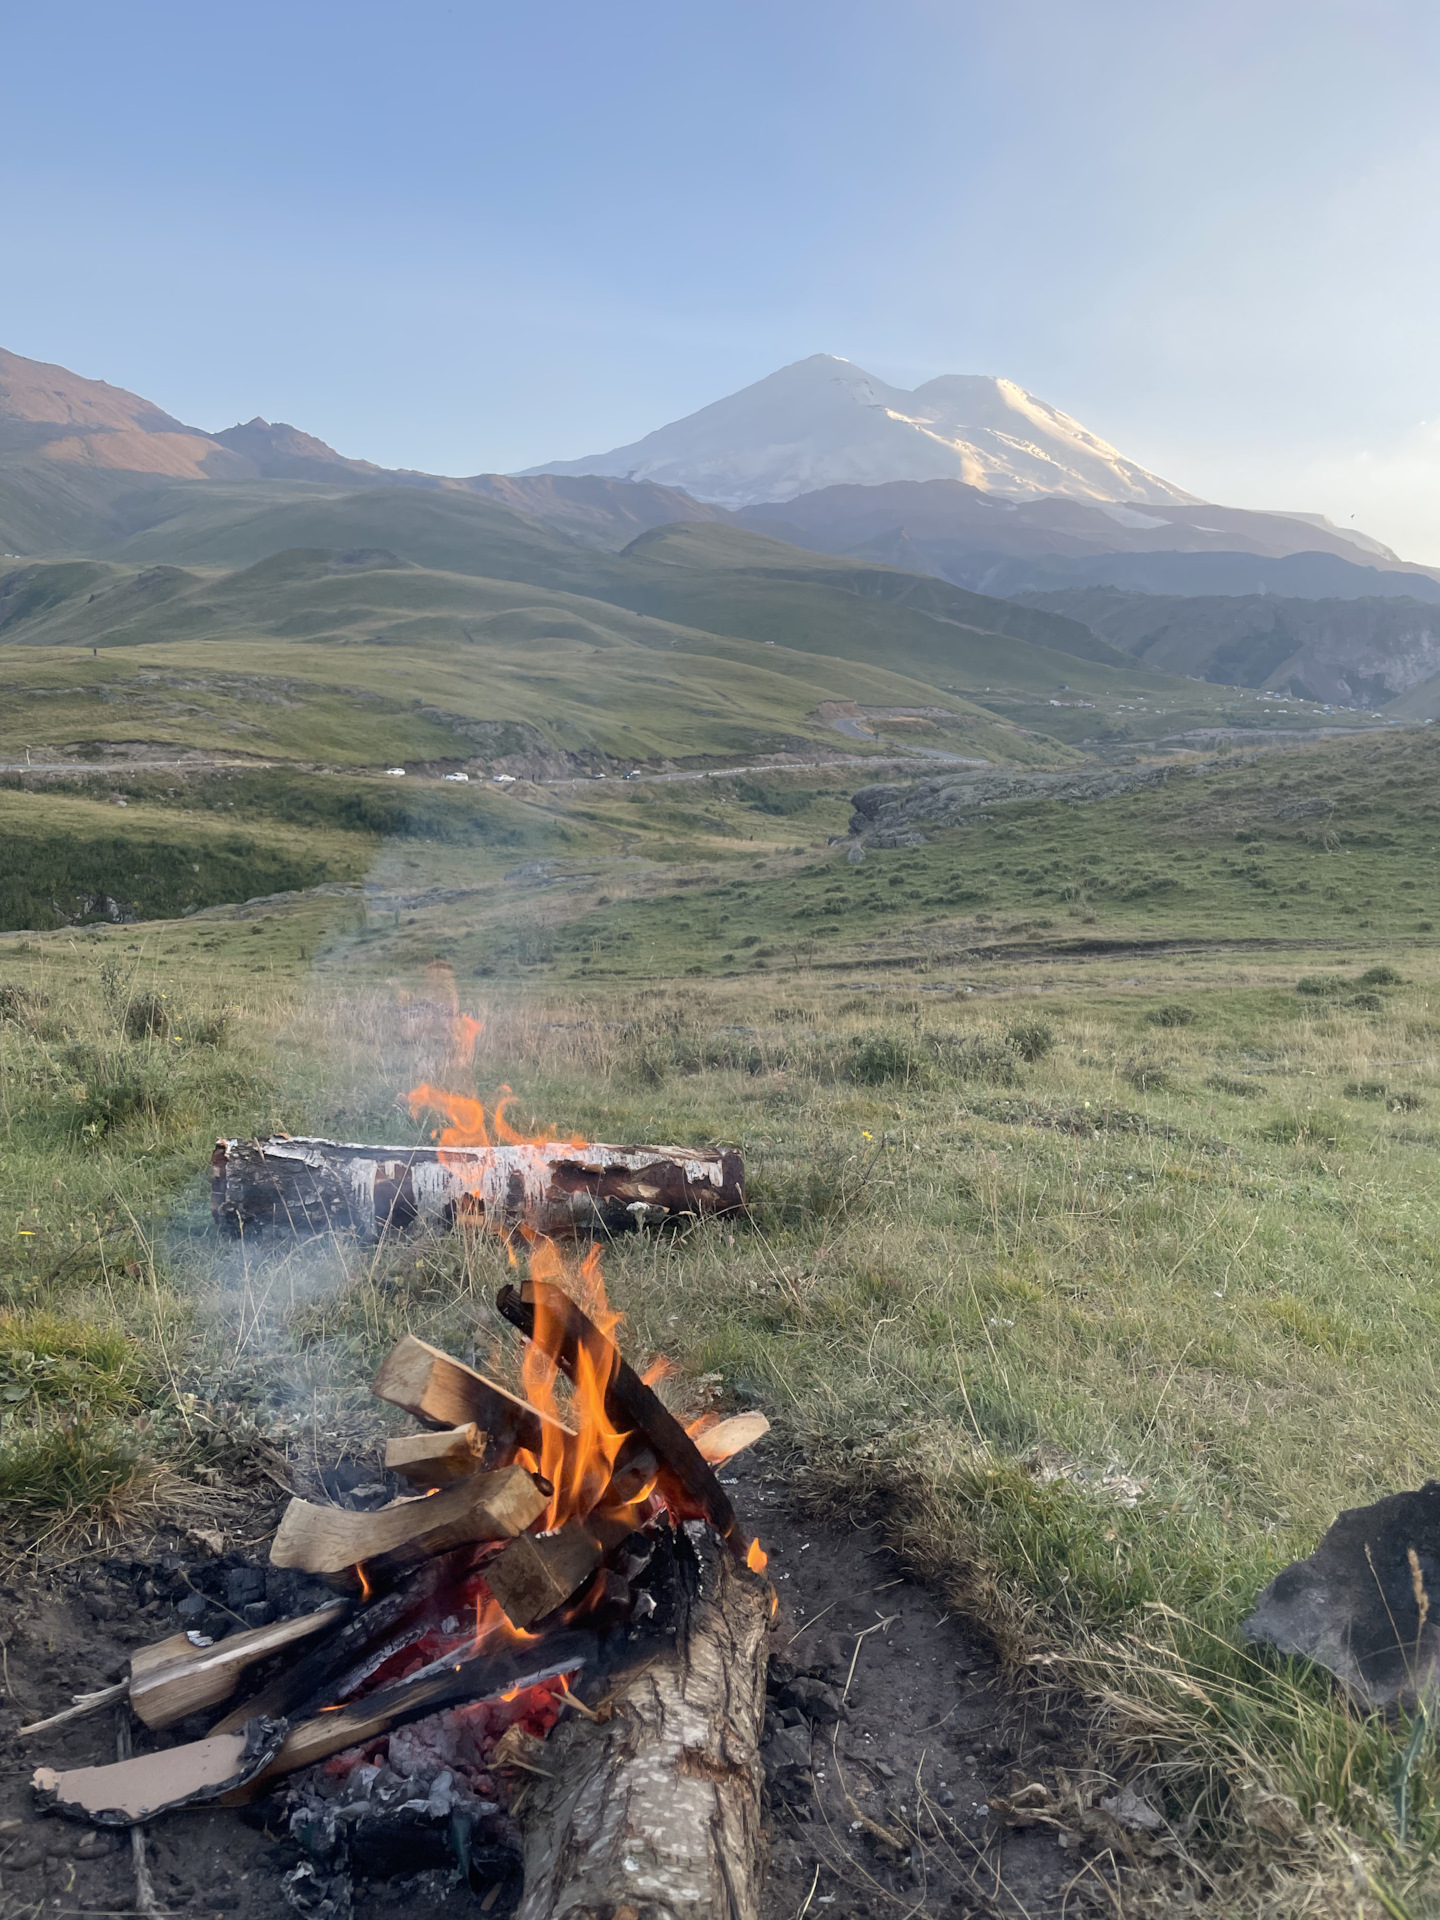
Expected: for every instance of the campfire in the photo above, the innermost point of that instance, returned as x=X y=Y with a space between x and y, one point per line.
x=543 y=1663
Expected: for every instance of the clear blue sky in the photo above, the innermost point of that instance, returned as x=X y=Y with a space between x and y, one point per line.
x=473 y=236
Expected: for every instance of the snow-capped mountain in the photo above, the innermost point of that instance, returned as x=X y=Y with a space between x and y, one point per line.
x=824 y=422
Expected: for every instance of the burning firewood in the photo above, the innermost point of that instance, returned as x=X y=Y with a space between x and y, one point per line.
x=546 y=1314
x=650 y=1795
x=429 y=1460
x=448 y=1683
x=336 y=1543
x=443 y=1392
x=334 y=1667
x=562 y=1189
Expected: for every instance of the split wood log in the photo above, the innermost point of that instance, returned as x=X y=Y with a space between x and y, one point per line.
x=174 y=1678
x=437 y=1459
x=687 y=1479
x=726 y=1438
x=448 y=1683
x=536 y=1573
x=654 y=1808
x=443 y=1392
x=558 y=1188
x=336 y=1543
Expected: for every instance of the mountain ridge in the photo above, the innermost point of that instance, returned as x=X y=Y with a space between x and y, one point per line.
x=823 y=421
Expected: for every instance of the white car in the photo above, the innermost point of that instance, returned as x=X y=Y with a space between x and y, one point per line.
x=396 y=773
x=463 y=777
x=503 y=779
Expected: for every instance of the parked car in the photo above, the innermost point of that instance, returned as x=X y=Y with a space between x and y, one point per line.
x=396 y=773
x=464 y=777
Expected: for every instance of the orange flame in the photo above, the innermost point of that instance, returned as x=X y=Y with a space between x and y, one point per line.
x=579 y=1464
x=757 y=1559
x=494 y=1629
x=465 y=1029
x=465 y=1121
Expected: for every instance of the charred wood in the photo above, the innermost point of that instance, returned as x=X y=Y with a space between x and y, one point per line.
x=449 y=1683
x=687 y=1479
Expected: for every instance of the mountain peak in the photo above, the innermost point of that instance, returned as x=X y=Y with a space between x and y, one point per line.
x=823 y=421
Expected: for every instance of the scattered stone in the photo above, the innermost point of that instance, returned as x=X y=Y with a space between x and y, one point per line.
x=1130 y=1810
x=1366 y=1604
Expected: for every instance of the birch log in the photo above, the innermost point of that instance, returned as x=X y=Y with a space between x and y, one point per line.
x=556 y=1188
x=655 y=1809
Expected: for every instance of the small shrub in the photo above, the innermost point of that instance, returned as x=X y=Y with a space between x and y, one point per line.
x=1031 y=1039
x=147 y=1017
x=1406 y=1102
x=980 y=1057
x=115 y=1086
x=1367 y=1002
x=1313 y=1128
x=1321 y=985
x=1231 y=1084
x=878 y=1058
x=1381 y=977
x=1365 y=1089
x=209 y=1029
x=1146 y=1077
x=77 y=1467
x=1173 y=1015
x=17 y=1003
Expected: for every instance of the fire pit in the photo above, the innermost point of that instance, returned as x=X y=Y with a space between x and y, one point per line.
x=547 y=1664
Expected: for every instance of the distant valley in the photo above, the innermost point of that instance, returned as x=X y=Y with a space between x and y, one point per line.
x=250 y=589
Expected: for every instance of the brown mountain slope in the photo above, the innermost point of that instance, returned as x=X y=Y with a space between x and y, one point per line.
x=49 y=413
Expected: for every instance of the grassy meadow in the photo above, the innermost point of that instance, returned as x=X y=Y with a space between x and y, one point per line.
x=1095 y=1239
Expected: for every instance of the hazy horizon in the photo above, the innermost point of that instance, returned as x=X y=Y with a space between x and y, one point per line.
x=484 y=241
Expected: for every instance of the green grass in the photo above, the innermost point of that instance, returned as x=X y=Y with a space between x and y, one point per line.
x=1101 y=1276
x=1336 y=844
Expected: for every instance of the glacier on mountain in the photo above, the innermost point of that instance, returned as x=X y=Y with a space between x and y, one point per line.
x=824 y=422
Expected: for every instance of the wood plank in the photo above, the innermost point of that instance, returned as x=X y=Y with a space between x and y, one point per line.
x=437 y=1459
x=441 y=1391
x=174 y=1678
x=726 y=1438
x=129 y=1791
x=336 y=1543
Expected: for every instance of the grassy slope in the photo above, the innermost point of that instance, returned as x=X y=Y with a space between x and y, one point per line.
x=1170 y=1254
x=1339 y=846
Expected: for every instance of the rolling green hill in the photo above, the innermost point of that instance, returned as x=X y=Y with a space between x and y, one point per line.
x=456 y=613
